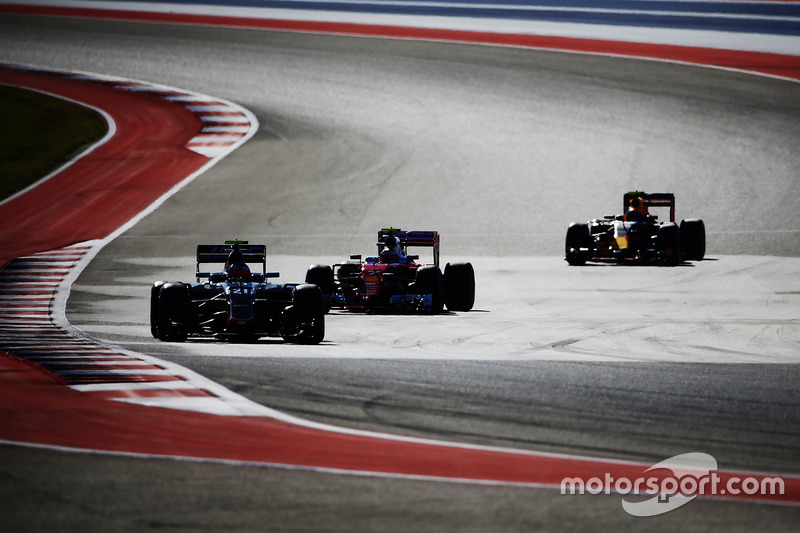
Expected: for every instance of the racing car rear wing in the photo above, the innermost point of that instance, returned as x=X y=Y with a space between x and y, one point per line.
x=428 y=239
x=218 y=253
x=653 y=199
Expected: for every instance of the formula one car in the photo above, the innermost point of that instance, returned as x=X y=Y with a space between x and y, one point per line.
x=637 y=236
x=236 y=304
x=394 y=281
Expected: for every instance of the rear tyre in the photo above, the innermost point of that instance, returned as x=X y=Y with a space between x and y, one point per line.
x=459 y=286
x=322 y=277
x=578 y=239
x=429 y=282
x=693 y=239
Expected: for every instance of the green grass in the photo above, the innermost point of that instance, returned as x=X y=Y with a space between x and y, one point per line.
x=38 y=133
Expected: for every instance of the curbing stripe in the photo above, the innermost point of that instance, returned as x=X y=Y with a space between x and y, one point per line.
x=86 y=366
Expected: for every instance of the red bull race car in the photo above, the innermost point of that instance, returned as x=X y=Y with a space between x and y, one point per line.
x=637 y=236
x=394 y=281
x=235 y=303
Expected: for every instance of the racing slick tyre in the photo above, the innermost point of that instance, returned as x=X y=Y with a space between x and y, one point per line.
x=322 y=277
x=459 y=286
x=578 y=238
x=668 y=243
x=349 y=271
x=154 y=291
x=174 y=312
x=693 y=239
x=303 y=322
x=429 y=281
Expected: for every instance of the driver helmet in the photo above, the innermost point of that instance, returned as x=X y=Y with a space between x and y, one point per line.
x=235 y=267
x=392 y=243
x=238 y=271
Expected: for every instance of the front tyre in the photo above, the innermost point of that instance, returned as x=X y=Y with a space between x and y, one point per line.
x=429 y=282
x=577 y=243
x=459 y=286
x=668 y=244
x=173 y=312
x=693 y=239
x=303 y=322
x=154 y=292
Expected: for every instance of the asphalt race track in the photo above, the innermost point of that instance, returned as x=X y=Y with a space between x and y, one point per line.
x=499 y=149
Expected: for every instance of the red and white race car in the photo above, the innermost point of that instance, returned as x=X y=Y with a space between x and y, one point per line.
x=393 y=280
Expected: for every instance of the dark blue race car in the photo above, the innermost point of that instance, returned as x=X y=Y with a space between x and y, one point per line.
x=235 y=303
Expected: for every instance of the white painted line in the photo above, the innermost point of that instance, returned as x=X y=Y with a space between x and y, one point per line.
x=147 y=385
x=86 y=349
x=187 y=98
x=233 y=119
x=55 y=358
x=24 y=340
x=215 y=139
x=84 y=362
x=210 y=151
x=225 y=129
x=111 y=372
x=54 y=262
x=25 y=279
x=210 y=405
x=26 y=267
x=140 y=88
x=214 y=107
x=9 y=328
x=49 y=284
